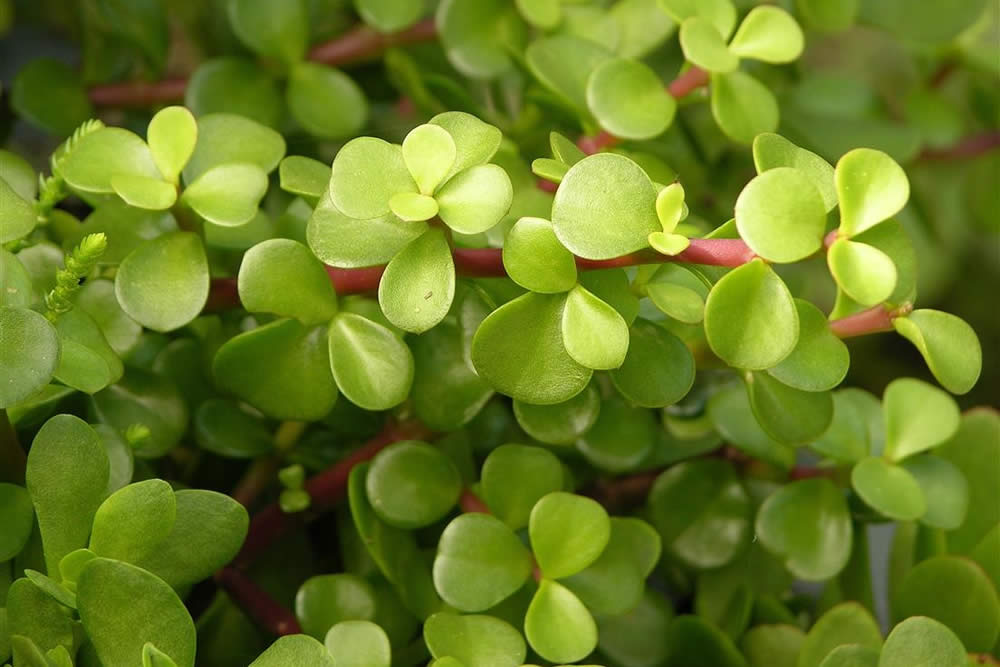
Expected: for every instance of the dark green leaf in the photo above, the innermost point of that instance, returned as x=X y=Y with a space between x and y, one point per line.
x=327 y=599
x=51 y=95
x=29 y=354
x=412 y=484
x=537 y=473
x=325 y=101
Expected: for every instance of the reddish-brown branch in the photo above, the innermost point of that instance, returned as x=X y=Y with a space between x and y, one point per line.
x=969 y=147
x=265 y=611
x=470 y=502
x=873 y=320
x=358 y=44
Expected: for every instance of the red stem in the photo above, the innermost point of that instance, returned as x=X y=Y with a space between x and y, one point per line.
x=470 y=502
x=973 y=146
x=873 y=320
x=358 y=44
x=266 y=612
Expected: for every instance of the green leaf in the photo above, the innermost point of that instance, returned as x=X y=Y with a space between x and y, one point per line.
x=163 y=283
x=977 y=440
x=568 y=533
x=225 y=138
x=651 y=108
x=691 y=638
x=475 y=36
x=670 y=206
x=544 y=14
x=889 y=489
x=475 y=141
x=480 y=562
x=67 y=474
x=742 y=106
x=563 y=64
x=346 y=242
x=16 y=289
x=771 y=151
x=560 y=423
x=141 y=397
x=209 y=530
x=851 y=655
x=367 y=172
x=557 y=624
x=474 y=641
x=279 y=31
x=537 y=471
x=29 y=353
x=86 y=360
x=721 y=13
x=34 y=614
x=942 y=481
x=358 y=644
x=475 y=199
x=828 y=15
x=948 y=344
x=564 y=150
x=172 y=135
x=324 y=600
x=621 y=439
x=222 y=427
x=388 y=16
x=594 y=334
x=324 y=101
x=605 y=207
x=123 y=607
x=678 y=293
x=820 y=359
x=918 y=416
x=445 y=405
x=19 y=214
x=418 y=286
x=412 y=484
x=612 y=286
x=133 y=521
x=772 y=645
x=702 y=512
x=281 y=368
x=550 y=170
x=639 y=636
x=429 y=152
x=144 y=192
x=922 y=639
x=732 y=415
x=18 y=174
x=751 y=320
x=519 y=350
x=956 y=592
x=299 y=650
x=103 y=154
x=154 y=657
x=789 y=415
x=413 y=206
x=51 y=94
x=237 y=86
x=846 y=623
x=18 y=518
x=781 y=215
x=658 y=370
x=304 y=176
x=865 y=273
x=97 y=299
x=770 y=34
x=705 y=47
x=535 y=259
x=228 y=194
x=871 y=188
x=281 y=276
x=847 y=439
x=371 y=365
x=807 y=524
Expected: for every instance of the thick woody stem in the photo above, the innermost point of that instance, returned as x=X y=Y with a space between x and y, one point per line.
x=270 y=615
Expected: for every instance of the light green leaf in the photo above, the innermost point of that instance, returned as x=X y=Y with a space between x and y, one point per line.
x=550 y=170
x=942 y=481
x=679 y=302
x=650 y=110
x=123 y=607
x=108 y=152
x=304 y=176
x=658 y=369
x=918 y=416
x=475 y=199
x=948 y=344
x=281 y=276
x=721 y=13
x=418 y=286
x=670 y=206
x=535 y=259
x=29 y=354
x=19 y=215
x=388 y=16
x=413 y=206
x=346 y=242
x=298 y=650
x=16 y=289
x=742 y=106
x=829 y=15
x=846 y=623
x=412 y=484
x=977 y=440
x=358 y=644
x=772 y=645
x=538 y=472
x=475 y=640
x=561 y=423
x=772 y=150
x=851 y=655
x=594 y=334
x=871 y=188
x=865 y=273
x=475 y=36
x=475 y=141
x=172 y=135
x=324 y=101
x=820 y=359
x=227 y=194
x=557 y=624
x=163 y=283
x=144 y=192
x=888 y=489
x=225 y=138
x=480 y=562
x=705 y=47
x=327 y=599
x=281 y=368
x=33 y=614
x=563 y=64
x=429 y=152
x=920 y=639
x=750 y=317
x=519 y=350
x=367 y=172
x=791 y=416
x=781 y=215
x=668 y=244
x=372 y=366
x=544 y=14
x=568 y=533
x=133 y=521
x=86 y=361
x=770 y=34
x=605 y=207
x=273 y=30
x=154 y=657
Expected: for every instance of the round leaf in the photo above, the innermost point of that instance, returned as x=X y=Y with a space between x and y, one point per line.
x=621 y=438
x=772 y=645
x=475 y=641
x=273 y=30
x=819 y=360
x=865 y=273
x=721 y=13
x=694 y=638
x=605 y=207
x=650 y=110
x=29 y=354
x=51 y=94
x=412 y=484
x=847 y=439
x=108 y=152
x=371 y=365
x=889 y=489
x=772 y=150
x=705 y=47
x=325 y=102
x=429 y=153
x=807 y=524
x=558 y=626
x=418 y=286
x=447 y=392
x=299 y=650
x=475 y=199
x=281 y=276
x=226 y=138
x=561 y=423
x=234 y=85
x=920 y=639
x=327 y=599
x=227 y=195
x=535 y=259
x=851 y=655
x=594 y=334
x=474 y=35
x=977 y=440
x=568 y=533
x=537 y=473
x=732 y=415
x=918 y=416
x=781 y=215
x=846 y=623
x=19 y=215
x=945 y=484
x=144 y=192
x=133 y=520
x=358 y=644
x=304 y=176
x=222 y=427
x=789 y=415
x=751 y=320
x=475 y=141
x=163 y=283
x=388 y=16
x=948 y=344
x=871 y=188
x=148 y=399
x=479 y=563
x=742 y=106
x=563 y=63
x=367 y=172
x=172 y=135
x=770 y=34
x=18 y=517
